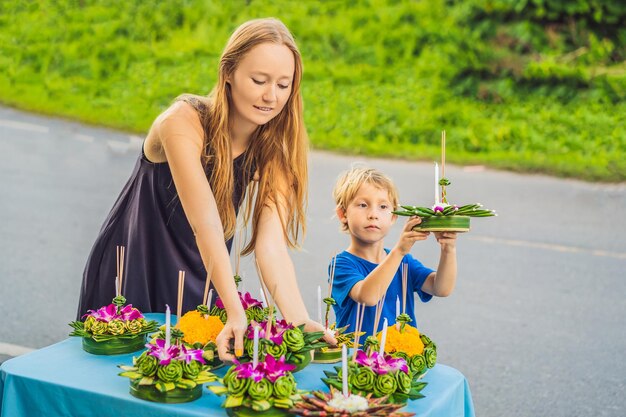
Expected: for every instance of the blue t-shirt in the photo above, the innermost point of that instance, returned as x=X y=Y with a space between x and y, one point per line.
x=351 y=269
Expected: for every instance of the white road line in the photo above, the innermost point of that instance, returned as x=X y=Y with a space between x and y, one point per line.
x=13 y=350
x=24 y=126
x=548 y=246
x=83 y=138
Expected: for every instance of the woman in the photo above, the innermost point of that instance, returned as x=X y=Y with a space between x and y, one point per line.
x=180 y=204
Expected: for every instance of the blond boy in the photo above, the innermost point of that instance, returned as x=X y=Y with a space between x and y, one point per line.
x=365 y=199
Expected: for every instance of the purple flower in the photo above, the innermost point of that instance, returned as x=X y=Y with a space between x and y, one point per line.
x=246 y=370
x=396 y=364
x=438 y=208
x=164 y=355
x=248 y=301
x=274 y=368
x=275 y=333
x=364 y=360
x=189 y=355
x=129 y=313
x=106 y=314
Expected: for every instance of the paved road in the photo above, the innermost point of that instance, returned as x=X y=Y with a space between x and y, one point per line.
x=537 y=322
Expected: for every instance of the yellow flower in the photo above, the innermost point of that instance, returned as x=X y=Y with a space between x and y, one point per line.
x=408 y=341
x=198 y=329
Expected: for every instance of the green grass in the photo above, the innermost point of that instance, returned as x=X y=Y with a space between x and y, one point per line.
x=382 y=77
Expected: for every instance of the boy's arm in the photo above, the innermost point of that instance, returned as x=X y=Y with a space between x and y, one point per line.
x=374 y=286
x=442 y=282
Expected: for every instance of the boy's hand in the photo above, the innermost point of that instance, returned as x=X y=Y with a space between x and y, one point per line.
x=410 y=236
x=447 y=240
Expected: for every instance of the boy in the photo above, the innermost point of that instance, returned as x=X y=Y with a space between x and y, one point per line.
x=366 y=271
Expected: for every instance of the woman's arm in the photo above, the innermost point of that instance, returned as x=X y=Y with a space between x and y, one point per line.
x=181 y=137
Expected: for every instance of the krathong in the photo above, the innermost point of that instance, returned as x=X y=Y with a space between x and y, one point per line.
x=379 y=376
x=266 y=386
x=278 y=338
x=443 y=216
x=170 y=374
x=113 y=329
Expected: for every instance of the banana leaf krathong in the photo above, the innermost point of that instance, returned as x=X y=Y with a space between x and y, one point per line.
x=268 y=386
x=169 y=374
x=417 y=349
x=283 y=339
x=379 y=376
x=113 y=329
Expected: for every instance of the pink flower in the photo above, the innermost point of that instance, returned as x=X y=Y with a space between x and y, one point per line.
x=248 y=301
x=274 y=368
x=246 y=370
x=275 y=334
x=189 y=355
x=129 y=313
x=106 y=314
x=164 y=355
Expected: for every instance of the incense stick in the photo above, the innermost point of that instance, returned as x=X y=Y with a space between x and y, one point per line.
x=360 y=312
x=443 y=154
x=379 y=310
x=119 y=259
x=181 y=288
x=207 y=284
x=405 y=274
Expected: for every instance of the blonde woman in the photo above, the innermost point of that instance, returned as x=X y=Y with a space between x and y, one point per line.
x=178 y=210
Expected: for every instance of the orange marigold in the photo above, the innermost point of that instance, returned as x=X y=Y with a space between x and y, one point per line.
x=408 y=341
x=198 y=329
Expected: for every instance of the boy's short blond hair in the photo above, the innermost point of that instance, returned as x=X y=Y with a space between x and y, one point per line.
x=350 y=181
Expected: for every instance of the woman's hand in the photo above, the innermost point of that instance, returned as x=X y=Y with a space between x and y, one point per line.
x=313 y=326
x=235 y=328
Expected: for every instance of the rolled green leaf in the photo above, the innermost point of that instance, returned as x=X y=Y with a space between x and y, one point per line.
x=275 y=350
x=237 y=386
x=417 y=364
x=362 y=379
x=261 y=390
x=385 y=384
x=171 y=372
x=425 y=340
x=403 y=381
x=99 y=327
x=430 y=355
x=191 y=369
x=116 y=327
x=134 y=326
x=402 y=355
x=148 y=365
x=89 y=321
x=294 y=339
x=283 y=387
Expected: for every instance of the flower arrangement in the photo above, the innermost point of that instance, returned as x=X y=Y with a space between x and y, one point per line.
x=281 y=339
x=443 y=216
x=254 y=308
x=168 y=373
x=406 y=342
x=113 y=329
x=266 y=387
x=378 y=375
x=200 y=331
x=335 y=404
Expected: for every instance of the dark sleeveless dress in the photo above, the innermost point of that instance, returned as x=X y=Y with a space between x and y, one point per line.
x=148 y=219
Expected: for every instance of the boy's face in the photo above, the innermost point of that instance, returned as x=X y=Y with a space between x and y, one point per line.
x=369 y=214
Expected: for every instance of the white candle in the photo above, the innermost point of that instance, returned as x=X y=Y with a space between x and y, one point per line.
x=319 y=303
x=210 y=298
x=436 y=183
x=397 y=311
x=117 y=286
x=167 y=326
x=383 y=337
x=344 y=369
x=255 y=346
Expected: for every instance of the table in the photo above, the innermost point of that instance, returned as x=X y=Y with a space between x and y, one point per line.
x=63 y=380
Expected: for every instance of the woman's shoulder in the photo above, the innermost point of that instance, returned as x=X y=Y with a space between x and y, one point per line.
x=181 y=115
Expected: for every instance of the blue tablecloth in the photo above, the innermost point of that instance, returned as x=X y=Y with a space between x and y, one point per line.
x=63 y=380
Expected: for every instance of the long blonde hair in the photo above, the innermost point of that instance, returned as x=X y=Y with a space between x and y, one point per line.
x=277 y=149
